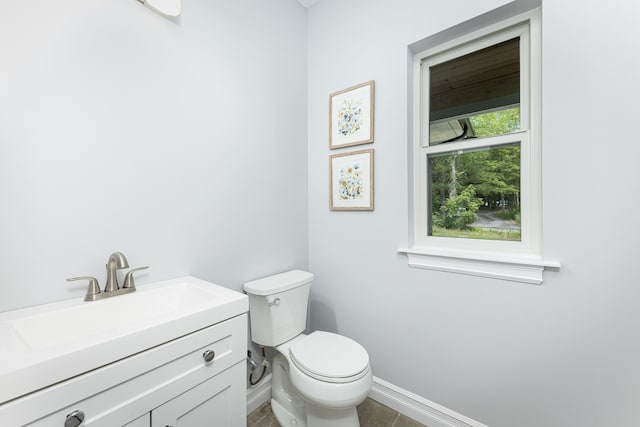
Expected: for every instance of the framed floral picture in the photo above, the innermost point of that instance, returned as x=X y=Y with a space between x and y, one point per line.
x=351 y=181
x=351 y=116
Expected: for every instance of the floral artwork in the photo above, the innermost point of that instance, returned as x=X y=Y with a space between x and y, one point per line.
x=351 y=181
x=350 y=117
x=351 y=113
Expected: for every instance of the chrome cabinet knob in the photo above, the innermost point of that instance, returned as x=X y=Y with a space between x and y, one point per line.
x=74 y=419
x=208 y=356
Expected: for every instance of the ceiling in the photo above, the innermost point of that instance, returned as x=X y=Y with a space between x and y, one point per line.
x=308 y=3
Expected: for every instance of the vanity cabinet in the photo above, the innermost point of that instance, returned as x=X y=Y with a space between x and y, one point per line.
x=196 y=380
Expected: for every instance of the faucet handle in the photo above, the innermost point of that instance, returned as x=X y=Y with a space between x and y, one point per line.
x=92 y=290
x=128 y=278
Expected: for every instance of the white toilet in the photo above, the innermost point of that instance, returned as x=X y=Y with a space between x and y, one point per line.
x=318 y=379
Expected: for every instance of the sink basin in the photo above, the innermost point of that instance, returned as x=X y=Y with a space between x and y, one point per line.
x=46 y=344
x=66 y=325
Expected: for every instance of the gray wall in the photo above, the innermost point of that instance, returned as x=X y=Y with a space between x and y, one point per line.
x=561 y=354
x=182 y=144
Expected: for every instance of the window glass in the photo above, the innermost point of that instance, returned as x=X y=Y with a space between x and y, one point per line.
x=475 y=194
x=475 y=90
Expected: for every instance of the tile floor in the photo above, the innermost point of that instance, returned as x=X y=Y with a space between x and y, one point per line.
x=370 y=412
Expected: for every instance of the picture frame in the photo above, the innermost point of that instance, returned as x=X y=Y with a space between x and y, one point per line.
x=351 y=116
x=351 y=181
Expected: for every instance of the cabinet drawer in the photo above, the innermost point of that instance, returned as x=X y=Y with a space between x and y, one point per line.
x=219 y=401
x=123 y=391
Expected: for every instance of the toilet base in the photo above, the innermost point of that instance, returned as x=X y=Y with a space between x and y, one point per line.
x=318 y=416
x=287 y=405
x=291 y=409
x=284 y=417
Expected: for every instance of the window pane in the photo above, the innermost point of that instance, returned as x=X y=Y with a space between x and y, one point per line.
x=480 y=88
x=496 y=122
x=476 y=194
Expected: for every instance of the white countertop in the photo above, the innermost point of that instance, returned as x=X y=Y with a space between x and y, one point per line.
x=46 y=344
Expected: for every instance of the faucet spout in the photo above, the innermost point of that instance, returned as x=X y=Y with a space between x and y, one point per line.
x=117 y=261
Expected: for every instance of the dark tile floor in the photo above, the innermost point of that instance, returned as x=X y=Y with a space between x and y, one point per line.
x=370 y=412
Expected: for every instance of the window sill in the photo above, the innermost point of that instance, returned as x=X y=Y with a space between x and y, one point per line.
x=524 y=269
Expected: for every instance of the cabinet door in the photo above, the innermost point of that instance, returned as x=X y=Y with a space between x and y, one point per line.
x=220 y=401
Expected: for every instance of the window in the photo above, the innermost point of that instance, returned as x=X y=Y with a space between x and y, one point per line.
x=477 y=174
x=473 y=178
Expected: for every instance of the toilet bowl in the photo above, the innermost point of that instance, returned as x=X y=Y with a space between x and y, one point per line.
x=318 y=379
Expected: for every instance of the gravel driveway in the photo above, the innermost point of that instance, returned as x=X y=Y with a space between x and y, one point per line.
x=490 y=221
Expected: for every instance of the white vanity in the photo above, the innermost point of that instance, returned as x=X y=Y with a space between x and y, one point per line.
x=170 y=354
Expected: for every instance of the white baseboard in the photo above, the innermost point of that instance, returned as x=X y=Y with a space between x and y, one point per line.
x=396 y=398
x=259 y=394
x=418 y=408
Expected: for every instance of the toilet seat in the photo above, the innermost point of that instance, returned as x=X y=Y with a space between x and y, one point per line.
x=330 y=357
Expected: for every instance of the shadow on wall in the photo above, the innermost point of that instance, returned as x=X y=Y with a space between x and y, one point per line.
x=321 y=316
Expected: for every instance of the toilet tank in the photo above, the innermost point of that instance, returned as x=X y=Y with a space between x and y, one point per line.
x=278 y=306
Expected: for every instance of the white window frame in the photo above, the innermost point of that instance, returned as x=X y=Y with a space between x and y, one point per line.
x=517 y=261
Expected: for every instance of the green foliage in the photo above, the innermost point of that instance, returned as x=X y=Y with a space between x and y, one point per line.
x=477 y=233
x=460 y=211
x=437 y=220
x=512 y=214
x=496 y=122
x=496 y=172
x=493 y=175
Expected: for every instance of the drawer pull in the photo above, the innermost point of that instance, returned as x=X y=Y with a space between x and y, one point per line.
x=208 y=356
x=74 y=419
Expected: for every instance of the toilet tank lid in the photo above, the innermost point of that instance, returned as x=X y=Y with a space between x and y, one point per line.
x=278 y=282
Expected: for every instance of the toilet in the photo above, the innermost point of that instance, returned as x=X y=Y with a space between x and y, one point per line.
x=317 y=379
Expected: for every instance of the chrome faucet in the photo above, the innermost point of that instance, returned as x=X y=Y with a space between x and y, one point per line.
x=116 y=261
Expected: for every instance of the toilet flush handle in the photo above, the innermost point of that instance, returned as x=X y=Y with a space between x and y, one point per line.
x=274 y=301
